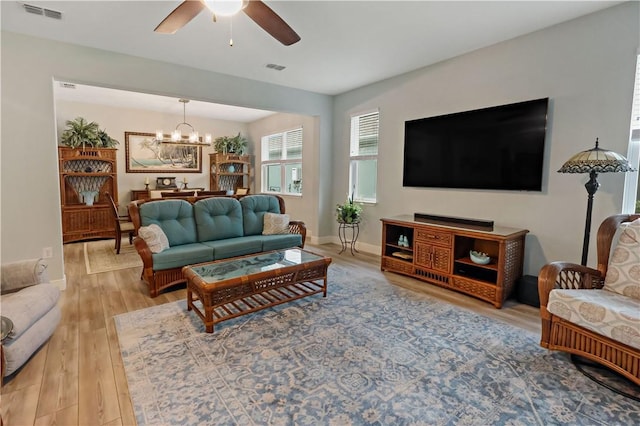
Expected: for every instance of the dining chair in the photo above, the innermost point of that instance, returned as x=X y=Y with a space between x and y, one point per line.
x=122 y=224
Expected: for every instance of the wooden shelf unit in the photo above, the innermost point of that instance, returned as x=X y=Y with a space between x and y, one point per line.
x=439 y=254
x=229 y=171
x=88 y=169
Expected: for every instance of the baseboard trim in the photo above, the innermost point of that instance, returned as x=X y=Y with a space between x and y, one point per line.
x=322 y=240
x=331 y=239
x=61 y=283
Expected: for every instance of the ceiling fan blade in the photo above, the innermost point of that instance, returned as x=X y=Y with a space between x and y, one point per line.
x=180 y=16
x=269 y=21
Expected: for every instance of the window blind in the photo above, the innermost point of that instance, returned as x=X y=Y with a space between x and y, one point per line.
x=293 y=143
x=274 y=146
x=368 y=126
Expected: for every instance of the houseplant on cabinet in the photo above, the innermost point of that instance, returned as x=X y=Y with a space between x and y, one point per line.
x=81 y=133
x=231 y=144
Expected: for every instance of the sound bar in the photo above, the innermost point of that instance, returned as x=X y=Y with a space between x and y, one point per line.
x=479 y=224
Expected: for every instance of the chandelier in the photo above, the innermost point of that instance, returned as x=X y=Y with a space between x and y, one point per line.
x=192 y=138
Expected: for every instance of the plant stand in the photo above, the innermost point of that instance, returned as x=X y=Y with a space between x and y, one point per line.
x=354 y=231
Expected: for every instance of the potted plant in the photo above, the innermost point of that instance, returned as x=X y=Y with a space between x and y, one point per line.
x=106 y=141
x=80 y=132
x=236 y=144
x=349 y=212
x=221 y=143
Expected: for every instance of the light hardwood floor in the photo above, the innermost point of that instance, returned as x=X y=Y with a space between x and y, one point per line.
x=77 y=378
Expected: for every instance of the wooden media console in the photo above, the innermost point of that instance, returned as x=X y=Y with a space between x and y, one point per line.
x=439 y=254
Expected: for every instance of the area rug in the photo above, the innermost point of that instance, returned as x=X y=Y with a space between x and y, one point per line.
x=100 y=256
x=368 y=354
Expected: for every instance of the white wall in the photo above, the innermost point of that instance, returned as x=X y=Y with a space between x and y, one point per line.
x=116 y=121
x=586 y=67
x=306 y=206
x=30 y=210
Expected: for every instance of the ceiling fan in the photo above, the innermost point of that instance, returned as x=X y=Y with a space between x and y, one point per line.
x=259 y=12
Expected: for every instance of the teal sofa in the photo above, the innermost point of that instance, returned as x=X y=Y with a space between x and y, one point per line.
x=203 y=229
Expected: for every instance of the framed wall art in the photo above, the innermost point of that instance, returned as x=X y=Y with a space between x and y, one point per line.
x=146 y=155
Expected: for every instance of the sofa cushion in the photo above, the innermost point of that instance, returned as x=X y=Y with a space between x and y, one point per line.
x=602 y=311
x=179 y=256
x=218 y=218
x=275 y=223
x=175 y=217
x=253 y=209
x=623 y=272
x=155 y=238
x=232 y=247
x=282 y=241
x=28 y=305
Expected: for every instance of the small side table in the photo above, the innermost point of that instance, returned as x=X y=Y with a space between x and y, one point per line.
x=354 y=230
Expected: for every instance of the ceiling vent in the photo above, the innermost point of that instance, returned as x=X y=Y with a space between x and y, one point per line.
x=36 y=10
x=276 y=67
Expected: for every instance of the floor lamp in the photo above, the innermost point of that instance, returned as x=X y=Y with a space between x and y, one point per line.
x=593 y=161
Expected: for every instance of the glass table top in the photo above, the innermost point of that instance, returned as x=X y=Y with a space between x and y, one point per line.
x=262 y=262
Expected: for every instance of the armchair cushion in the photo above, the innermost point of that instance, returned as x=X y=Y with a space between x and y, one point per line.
x=31 y=303
x=601 y=311
x=623 y=272
x=27 y=306
x=24 y=273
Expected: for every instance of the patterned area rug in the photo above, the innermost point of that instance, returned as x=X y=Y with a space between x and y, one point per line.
x=369 y=353
x=100 y=256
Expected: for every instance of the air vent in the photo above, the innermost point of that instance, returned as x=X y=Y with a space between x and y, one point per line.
x=276 y=67
x=52 y=14
x=67 y=85
x=36 y=10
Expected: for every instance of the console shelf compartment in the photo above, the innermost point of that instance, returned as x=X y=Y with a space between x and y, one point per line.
x=439 y=254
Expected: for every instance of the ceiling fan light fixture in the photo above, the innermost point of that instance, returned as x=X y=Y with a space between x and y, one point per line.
x=224 y=7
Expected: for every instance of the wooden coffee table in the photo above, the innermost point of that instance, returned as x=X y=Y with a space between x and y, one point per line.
x=232 y=287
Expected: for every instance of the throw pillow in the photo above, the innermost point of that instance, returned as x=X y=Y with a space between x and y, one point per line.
x=623 y=272
x=155 y=237
x=275 y=223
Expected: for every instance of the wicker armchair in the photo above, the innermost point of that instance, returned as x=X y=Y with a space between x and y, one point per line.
x=563 y=335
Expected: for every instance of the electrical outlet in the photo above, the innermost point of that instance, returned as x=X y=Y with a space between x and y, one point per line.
x=47 y=253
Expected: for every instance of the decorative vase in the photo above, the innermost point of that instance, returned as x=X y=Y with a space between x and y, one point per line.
x=89 y=197
x=232 y=169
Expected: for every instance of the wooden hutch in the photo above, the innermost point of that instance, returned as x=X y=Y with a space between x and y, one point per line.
x=86 y=175
x=229 y=171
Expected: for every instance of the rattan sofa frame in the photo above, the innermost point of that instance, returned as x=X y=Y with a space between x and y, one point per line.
x=562 y=335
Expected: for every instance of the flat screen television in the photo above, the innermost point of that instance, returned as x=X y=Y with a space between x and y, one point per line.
x=499 y=148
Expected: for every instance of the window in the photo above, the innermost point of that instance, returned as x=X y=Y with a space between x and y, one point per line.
x=282 y=162
x=363 y=157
